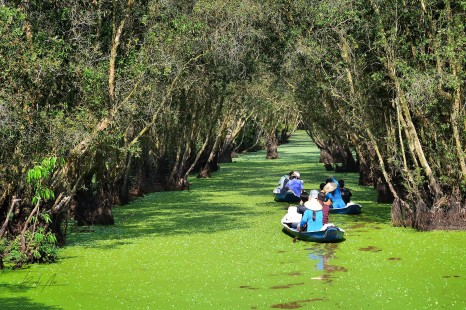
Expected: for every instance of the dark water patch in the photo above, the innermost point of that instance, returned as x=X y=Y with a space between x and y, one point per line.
x=327 y=277
x=295 y=304
x=281 y=251
x=377 y=227
x=291 y=285
x=394 y=258
x=249 y=287
x=293 y=274
x=332 y=268
x=454 y=276
x=371 y=249
x=24 y=303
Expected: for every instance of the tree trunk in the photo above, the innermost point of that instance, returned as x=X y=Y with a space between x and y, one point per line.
x=271 y=144
x=365 y=171
x=117 y=31
x=383 y=191
x=408 y=211
x=410 y=129
x=225 y=153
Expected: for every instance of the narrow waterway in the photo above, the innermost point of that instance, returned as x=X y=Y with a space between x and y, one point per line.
x=220 y=246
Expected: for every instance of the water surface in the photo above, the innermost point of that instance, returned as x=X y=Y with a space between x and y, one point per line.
x=220 y=246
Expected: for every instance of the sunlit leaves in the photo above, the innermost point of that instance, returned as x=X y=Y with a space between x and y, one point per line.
x=39 y=175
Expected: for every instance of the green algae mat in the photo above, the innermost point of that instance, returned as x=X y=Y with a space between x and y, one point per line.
x=220 y=246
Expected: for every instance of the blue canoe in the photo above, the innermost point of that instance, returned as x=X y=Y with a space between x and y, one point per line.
x=285 y=196
x=331 y=234
x=349 y=209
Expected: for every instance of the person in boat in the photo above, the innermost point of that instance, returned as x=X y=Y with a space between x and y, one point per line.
x=325 y=203
x=304 y=198
x=295 y=184
x=345 y=192
x=313 y=216
x=332 y=192
x=282 y=182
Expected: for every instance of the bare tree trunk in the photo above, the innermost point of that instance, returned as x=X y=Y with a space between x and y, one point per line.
x=5 y=223
x=198 y=155
x=406 y=208
x=365 y=171
x=271 y=143
x=26 y=225
x=117 y=31
x=225 y=153
x=211 y=164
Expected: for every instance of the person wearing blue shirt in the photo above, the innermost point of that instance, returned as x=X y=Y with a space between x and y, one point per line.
x=332 y=192
x=295 y=184
x=313 y=216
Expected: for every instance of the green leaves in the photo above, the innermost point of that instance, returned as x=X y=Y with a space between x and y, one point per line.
x=38 y=177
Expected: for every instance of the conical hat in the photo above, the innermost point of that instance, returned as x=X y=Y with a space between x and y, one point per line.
x=313 y=204
x=330 y=187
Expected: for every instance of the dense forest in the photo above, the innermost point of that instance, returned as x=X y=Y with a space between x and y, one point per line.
x=103 y=101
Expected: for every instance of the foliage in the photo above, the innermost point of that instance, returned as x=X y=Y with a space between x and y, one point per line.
x=42 y=248
x=39 y=175
x=135 y=96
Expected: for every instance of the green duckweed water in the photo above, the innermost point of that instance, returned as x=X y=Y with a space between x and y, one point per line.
x=220 y=246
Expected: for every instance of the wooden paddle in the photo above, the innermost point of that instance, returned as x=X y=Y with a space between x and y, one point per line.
x=299 y=233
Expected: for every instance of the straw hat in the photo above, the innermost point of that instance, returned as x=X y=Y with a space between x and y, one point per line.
x=330 y=187
x=313 y=204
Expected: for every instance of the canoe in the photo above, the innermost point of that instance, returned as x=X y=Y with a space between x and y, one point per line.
x=331 y=233
x=285 y=197
x=351 y=208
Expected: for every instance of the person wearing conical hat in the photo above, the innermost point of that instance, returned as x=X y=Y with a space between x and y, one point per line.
x=332 y=192
x=313 y=216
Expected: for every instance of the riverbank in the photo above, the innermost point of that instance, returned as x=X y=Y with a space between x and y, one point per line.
x=220 y=246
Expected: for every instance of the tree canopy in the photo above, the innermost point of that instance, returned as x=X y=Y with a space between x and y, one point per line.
x=126 y=97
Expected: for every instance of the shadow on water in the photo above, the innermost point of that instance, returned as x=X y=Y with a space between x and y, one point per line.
x=187 y=213
x=7 y=303
x=22 y=303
